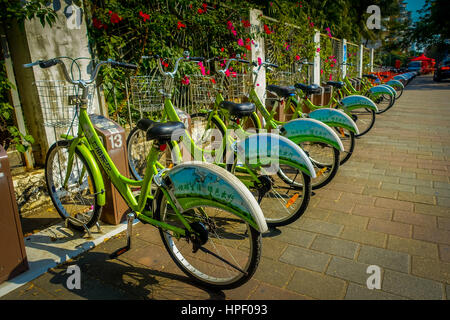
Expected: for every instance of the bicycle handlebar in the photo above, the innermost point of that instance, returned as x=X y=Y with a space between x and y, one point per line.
x=52 y=62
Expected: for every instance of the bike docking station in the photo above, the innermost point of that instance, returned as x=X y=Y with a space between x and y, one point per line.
x=114 y=140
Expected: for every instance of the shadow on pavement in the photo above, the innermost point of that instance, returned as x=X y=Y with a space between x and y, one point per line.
x=101 y=277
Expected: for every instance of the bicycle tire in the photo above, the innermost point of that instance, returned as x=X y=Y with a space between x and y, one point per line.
x=274 y=214
x=55 y=193
x=226 y=227
x=355 y=114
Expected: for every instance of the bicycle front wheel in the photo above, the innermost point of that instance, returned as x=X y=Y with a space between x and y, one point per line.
x=227 y=259
x=78 y=198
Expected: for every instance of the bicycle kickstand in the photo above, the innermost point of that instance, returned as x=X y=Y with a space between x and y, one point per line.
x=120 y=251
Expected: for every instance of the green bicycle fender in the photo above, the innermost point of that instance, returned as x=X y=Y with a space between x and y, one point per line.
x=392 y=90
x=356 y=102
x=269 y=148
x=334 y=118
x=302 y=130
x=195 y=184
x=96 y=173
x=395 y=84
x=378 y=90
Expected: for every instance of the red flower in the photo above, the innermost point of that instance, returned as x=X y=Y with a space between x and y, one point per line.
x=98 y=24
x=213 y=81
x=204 y=5
x=222 y=49
x=180 y=25
x=114 y=17
x=185 y=80
x=248 y=47
x=246 y=23
x=297 y=57
x=267 y=30
x=144 y=16
x=200 y=11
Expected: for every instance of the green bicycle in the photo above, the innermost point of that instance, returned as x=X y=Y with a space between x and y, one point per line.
x=283 y=194
x=208 y=220
x=319 y=141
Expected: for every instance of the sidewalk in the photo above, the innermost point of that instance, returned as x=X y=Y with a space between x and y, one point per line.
x=388 y=206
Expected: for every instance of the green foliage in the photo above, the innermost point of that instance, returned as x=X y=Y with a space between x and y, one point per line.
x=17 y=11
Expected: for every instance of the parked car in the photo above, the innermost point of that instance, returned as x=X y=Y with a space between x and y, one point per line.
x=443 y=70
x=414 y=66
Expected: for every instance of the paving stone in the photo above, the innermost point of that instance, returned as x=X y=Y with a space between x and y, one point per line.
x=349 y=270
x=346 y=187
x=394 y=204
x=348 y=220
x=443 y=223
x=415 y=182
x=389 y=227
x=305 y=258
x=319 y=226
x=430 y=269
x=413 y=247
x=443 y=201
x=414 y=218
x=432 y=210
x=411 y=286
x=317 y=285
x=273 y=247
x=442 y=184
x=384 y=258
x=415 y=197
x=358 y=292
x=444 y=253
x=268 y=292
x=335 y=205
x=431 y=234
x=397 y=187
x=294 y=236
x=335 y=246
x=371 y=211
x=431 y=191
x=376 y=239
x=358 y=199
x=381 y=193
x=316 y=213
x=274 y=272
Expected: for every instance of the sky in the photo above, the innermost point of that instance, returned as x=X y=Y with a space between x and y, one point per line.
x=413 y=6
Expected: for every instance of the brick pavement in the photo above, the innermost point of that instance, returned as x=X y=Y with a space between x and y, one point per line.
x=388 y=206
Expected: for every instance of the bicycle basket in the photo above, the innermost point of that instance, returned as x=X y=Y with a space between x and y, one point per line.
x=237 y=86
x=200 y=93
x=147 y=92
x=58 y=101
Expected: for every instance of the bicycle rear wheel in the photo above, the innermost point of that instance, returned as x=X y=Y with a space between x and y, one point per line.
x=231 y=252
x=348 y=140
x=78 y=199
x=384 y=102
x=364 y=119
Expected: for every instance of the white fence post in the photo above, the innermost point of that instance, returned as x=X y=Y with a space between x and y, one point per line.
x=258 y=51
x=360 y=61
x=371 y=59
x=344 y=58
x=316 y=72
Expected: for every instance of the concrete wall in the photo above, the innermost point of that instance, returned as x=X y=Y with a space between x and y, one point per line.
x=67 y=37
